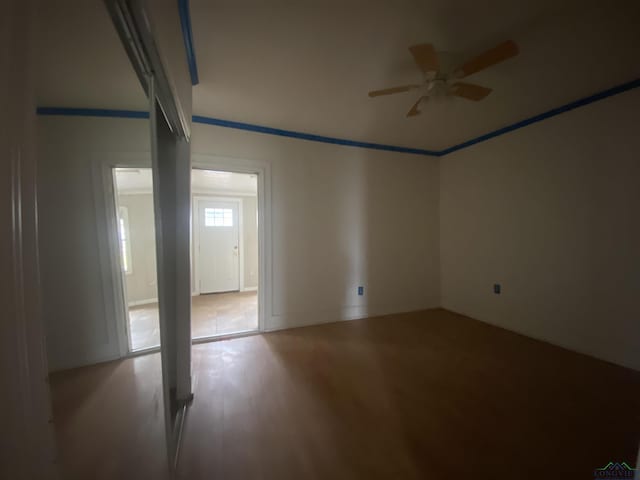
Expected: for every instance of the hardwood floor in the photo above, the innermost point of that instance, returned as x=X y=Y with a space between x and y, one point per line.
x=109 y=421
x=427 y=394
x=221 y=313
x=211 y=314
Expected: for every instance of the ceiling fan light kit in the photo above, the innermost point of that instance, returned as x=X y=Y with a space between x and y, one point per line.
x=439 y=83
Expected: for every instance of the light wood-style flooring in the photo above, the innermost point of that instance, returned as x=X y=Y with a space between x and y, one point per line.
x=211 y=314
x=429 y=394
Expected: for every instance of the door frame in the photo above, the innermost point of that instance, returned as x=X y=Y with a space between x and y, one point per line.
x=195 y=209
x=121 y=287
x=112 y=276
x=262 y=170
x=119 y=276
x=109 y=251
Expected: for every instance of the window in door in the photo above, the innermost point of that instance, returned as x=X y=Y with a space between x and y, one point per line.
x=218 y=217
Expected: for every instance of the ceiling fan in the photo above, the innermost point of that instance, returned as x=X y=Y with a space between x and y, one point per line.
x=443 y=83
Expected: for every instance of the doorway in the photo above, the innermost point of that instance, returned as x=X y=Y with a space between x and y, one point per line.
x=137 y=252
x=226 y=253
x=225 y=260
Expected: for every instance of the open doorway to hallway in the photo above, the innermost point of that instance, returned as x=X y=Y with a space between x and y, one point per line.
x=225 y=253
x=137 y=249
x=225 y=263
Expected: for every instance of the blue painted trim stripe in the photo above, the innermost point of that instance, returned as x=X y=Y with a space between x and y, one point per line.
x=96 y=112
x=543 y=116
x=187 y=36
x=308 y=136
x=91 y=112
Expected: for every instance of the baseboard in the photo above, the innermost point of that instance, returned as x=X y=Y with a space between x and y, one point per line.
x=146 y=301
x=577 y=349
x=249 y=289
x=84 y=362
x=356 y=312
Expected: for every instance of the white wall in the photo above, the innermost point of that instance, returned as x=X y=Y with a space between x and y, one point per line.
x=141 y=282
x=550 y=212
x=341 y=217
x=250 y=241
x=80 y=322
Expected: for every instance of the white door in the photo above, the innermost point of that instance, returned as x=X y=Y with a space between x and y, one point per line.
x=218 y=256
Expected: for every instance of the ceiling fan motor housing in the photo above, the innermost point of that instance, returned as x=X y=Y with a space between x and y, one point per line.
x=438 y=87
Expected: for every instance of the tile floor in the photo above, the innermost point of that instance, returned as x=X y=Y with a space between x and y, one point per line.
x=212 y=314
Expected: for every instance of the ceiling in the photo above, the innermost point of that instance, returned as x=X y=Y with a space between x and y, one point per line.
x=307 y=66
x=80 y=61
x=139 y=180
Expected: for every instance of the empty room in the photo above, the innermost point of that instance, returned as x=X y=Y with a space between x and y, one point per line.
x=308 y=240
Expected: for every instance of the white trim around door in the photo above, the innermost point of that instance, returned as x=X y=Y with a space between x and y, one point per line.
x=114 y=292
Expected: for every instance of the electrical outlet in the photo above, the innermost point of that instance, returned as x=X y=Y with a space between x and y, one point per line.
x=360 y=291
x=497 y=288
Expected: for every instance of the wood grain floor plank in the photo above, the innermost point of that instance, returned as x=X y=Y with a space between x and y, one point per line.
x=428 y=394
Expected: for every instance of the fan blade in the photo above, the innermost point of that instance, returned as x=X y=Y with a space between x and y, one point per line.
x=498 y=54
x=389 y=91
x=414 y=110
x=425 y=56
x=469 y=91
